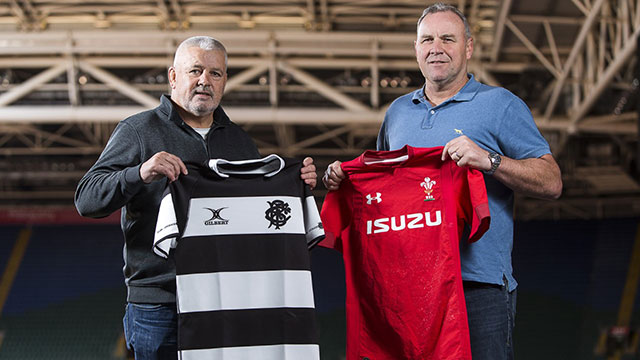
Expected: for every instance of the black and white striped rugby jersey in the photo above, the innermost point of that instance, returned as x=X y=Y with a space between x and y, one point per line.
x=239 y=233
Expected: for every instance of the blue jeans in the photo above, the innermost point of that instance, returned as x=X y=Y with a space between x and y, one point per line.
x=151 y=331
x=491 y=310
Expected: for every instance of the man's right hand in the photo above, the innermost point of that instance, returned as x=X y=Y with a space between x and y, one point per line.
x=162 y=165
x=333 y=176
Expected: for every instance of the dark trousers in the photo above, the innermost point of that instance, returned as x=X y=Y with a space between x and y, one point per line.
x=491 y=310
x=151 y=331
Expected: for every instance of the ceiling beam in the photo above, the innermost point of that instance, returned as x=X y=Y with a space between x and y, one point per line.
x=257 y=115
x=119 y=85
x=534 y=50
x=244 y=76
x=573 y=56
x=505 y=7
x=32 y=84
x=612 y=70
x=322 y=88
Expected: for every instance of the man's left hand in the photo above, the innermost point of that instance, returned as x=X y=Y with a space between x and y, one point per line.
x=308 y=172
x=465 y=152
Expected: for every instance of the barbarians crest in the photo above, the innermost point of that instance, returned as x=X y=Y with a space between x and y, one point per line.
x=277 y=213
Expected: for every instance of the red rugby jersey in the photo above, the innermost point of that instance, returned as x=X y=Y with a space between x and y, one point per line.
x=398 y=220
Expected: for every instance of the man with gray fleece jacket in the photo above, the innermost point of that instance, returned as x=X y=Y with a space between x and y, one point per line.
x=144 y=152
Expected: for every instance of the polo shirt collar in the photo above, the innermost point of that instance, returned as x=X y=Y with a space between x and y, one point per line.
x=467 y=92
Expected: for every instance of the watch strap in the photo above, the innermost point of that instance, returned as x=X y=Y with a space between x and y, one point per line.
x=495 y=159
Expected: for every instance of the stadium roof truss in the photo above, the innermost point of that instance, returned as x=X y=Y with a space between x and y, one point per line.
x=314 y=78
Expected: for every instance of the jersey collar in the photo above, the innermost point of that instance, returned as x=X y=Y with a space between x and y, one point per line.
x=268 y=166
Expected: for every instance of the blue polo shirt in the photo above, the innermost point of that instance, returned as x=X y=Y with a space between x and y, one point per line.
x=496 y=120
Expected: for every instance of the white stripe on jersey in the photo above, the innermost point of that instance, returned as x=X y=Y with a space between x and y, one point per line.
x=166 y=227
x=242 y=215
x=265 y=352
x=245 y=290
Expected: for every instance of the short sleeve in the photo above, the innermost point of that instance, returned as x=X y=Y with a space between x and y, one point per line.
x=166 y=234
x=473 y=205
x=519 y=136
x=335 y=215
x=312 y=224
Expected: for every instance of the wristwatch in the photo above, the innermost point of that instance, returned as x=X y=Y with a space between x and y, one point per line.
x=495 y=159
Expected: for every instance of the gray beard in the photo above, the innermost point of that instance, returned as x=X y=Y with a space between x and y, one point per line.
x=201 y=110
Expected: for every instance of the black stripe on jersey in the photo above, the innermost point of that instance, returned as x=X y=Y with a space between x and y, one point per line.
x=250 y=252
x=228 y=328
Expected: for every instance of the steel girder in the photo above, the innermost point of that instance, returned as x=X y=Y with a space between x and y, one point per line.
x=341 y=118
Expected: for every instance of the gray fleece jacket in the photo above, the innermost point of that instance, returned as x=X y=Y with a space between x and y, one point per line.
x=114 y=182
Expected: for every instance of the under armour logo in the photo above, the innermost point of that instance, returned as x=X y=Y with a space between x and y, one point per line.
x=377 y=198
x=277 y=213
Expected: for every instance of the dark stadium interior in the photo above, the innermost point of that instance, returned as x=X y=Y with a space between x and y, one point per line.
x=68 y=297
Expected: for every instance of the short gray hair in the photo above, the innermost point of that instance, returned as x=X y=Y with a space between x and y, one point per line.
x=204 y=42
x=442 y=7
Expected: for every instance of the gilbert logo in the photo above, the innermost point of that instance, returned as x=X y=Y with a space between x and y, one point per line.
x=428 y=184
x=377 y=198
x=216 y=218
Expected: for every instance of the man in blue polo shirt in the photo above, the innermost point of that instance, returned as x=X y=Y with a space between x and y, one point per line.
x=482 y=127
